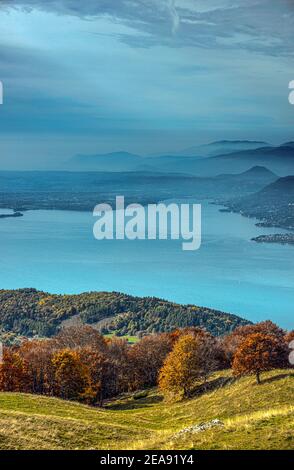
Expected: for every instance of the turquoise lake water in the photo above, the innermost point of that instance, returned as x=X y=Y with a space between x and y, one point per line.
x=55 y=251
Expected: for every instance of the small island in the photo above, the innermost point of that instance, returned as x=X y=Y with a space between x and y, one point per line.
x=14 y=214
x=282 y=238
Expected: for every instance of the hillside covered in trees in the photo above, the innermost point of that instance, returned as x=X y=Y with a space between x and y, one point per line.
x=273 y=205
x=29 y=312
x=82 y=365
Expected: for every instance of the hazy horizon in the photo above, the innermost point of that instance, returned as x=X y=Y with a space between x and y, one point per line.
x=142 y=77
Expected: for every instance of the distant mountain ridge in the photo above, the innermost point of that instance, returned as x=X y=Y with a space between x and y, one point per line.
x=273 y=205
x=221 y=147
x=255 y=171
x=227 y=157
x=259 y=171
x=288 y=144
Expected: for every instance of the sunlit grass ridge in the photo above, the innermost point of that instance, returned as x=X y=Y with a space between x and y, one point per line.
x=257 y=417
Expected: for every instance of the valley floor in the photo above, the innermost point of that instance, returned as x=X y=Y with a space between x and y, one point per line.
x=254 y=417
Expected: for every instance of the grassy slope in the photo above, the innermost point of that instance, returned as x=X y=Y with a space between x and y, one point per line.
x=257 y=417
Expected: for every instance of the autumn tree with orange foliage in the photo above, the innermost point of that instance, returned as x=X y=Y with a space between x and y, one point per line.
x=230 y=343
x=256 y=354
x=146 y=359
x=70 y=374
x=37 y=355
x=191 y=360
x=80 y=364
x=102 y=376
x=13 y=374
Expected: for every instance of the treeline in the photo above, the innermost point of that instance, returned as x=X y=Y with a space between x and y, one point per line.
x=29 y=312
x=80 y=364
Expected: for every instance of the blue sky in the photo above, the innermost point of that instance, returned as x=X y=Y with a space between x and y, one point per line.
x=145 y=76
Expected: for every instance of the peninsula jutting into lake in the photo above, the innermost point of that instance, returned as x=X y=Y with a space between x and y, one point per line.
x=14 y=214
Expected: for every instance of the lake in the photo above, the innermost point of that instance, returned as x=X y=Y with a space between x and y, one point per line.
x=55 y=251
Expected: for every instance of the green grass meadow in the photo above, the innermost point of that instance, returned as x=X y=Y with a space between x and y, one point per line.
x=254 y=417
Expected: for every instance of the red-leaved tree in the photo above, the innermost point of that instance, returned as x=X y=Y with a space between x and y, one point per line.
x=256 y=354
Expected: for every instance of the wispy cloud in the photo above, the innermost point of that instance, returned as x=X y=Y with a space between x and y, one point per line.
x=142 y=75
x=265 y=26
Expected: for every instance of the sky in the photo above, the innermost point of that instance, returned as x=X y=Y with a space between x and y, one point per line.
x=144 y=76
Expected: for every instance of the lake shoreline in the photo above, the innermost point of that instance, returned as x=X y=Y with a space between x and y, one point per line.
x=56 y=251
x=14 y=214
